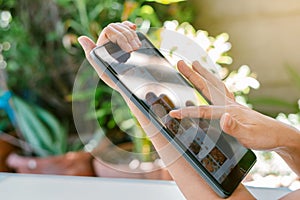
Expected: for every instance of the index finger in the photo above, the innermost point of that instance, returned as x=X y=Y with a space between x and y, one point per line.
x=204 y=112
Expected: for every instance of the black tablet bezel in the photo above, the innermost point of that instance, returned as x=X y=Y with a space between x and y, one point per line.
x=237 y=174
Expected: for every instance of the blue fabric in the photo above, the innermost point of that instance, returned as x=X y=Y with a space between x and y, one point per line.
x=4 y=105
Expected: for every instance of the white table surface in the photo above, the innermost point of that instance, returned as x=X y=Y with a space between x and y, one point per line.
x=52 y=187
x=43 y=187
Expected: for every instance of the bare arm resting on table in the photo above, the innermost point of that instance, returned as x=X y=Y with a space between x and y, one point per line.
x=190 y=183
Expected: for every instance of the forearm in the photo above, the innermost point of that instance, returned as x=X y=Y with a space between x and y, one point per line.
x=292 y=195
x=188 y=180
x=289 y=148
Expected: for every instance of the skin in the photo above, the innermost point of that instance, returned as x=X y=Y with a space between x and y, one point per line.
x=251 y=128
x=189 y=182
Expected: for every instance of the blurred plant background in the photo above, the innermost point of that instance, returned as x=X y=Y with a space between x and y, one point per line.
x=40 y=55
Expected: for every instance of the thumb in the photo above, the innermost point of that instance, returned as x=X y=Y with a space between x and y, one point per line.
x=87 y=44
x=230 y=125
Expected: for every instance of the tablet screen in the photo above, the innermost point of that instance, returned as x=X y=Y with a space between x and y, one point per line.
x=158 y=84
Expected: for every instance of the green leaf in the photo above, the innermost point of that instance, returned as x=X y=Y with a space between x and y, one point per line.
x=93 y=14
x=56 y=130
x=294 y=74
x=83 y=16
x=63 y=3
x=30 y=128
x=40 y=128
x=271 y=101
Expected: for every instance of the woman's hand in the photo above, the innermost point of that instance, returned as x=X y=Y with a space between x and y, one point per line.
x=122 y=34
x=191 y=184
x=253 y=129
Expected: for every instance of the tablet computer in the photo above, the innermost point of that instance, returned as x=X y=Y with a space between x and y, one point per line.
x=156 y=87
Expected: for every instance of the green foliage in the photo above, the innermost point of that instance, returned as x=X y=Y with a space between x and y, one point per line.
x=284 y=105
x=40 y=53
x=294 y=75
x=42 y=131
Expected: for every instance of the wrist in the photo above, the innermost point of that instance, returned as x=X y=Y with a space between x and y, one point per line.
x=288 y=140
x=289 y=147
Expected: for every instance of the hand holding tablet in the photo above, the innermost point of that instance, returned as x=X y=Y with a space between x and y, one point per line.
x=207 y=150
x=156 y=88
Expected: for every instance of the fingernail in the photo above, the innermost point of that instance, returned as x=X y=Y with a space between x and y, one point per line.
x=130 y=49
x=229 y=120
x=174 y=113
x=133 y=26
x=194 y=62
x=81 y=41
x=180 y=63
